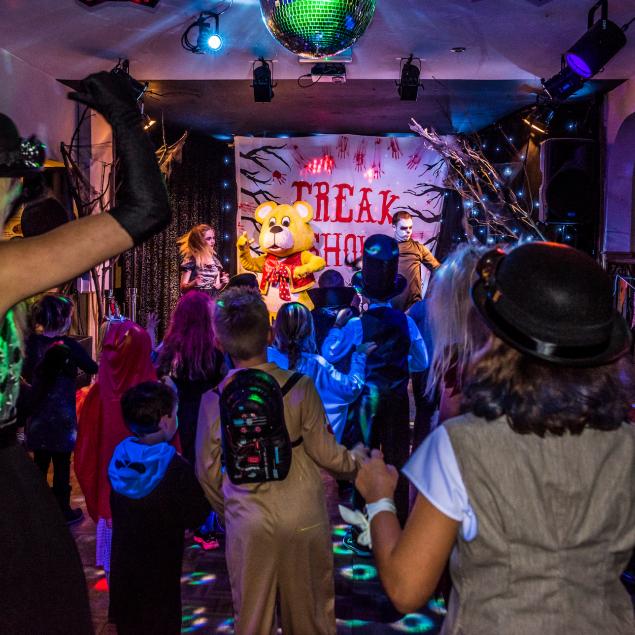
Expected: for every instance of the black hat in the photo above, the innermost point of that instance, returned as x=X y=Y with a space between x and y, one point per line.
x=242 y=280
x=331 y=296
x=378 y=278
x=18 y=157
x=553 y=302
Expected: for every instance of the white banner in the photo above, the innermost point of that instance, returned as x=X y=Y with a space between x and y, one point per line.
x=354 y=183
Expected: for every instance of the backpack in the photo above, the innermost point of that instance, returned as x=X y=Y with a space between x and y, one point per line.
x=256 y=443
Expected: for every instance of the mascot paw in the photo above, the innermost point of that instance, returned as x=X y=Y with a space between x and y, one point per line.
x=243 y=241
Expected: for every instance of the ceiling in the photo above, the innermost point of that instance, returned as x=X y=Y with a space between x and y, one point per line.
x=509 y=44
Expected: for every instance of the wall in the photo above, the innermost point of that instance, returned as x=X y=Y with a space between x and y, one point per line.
x=619 y=234
x=36 y=102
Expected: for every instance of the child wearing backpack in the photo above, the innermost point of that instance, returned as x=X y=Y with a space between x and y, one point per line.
x=278 y=536
x=154 y=498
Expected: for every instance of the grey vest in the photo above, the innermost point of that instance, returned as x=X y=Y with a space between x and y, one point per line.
x=556 y=528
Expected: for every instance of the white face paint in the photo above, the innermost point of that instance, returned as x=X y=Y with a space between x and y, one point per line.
x=10 y=189
x=403 y=229
x=210 y=238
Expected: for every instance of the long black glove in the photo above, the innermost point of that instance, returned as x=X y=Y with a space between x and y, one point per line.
x=142 y=207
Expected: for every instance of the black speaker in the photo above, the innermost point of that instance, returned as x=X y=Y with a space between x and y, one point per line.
x=43 y=215
x=570 y=181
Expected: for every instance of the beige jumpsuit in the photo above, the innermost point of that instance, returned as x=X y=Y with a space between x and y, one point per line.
x=278 y=535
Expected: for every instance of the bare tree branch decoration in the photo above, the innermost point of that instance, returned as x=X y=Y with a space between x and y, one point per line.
x=479 y=185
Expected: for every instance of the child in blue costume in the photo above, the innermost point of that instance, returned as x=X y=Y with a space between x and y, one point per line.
x=383 y=410
x=155 y=497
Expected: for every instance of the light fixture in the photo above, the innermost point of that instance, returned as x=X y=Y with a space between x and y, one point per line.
x=208 y=40
x=408 y=87
x=562 y=85
x=597 y=46
x=262 y=81
x=148 y=122
x=539 y=119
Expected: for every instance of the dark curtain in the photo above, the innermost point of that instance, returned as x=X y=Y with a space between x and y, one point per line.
x=202 y=189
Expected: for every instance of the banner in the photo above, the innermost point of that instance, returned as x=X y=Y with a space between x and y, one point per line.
x=354 y=183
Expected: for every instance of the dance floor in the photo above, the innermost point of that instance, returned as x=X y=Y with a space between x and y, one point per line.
x=361 y=607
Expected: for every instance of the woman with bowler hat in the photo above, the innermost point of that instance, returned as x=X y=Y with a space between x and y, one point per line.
x=532 y=488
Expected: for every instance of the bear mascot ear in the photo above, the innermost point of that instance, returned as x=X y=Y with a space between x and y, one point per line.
x=304 y=210
x=263 y=210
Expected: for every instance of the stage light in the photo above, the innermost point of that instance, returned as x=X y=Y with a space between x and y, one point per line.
x=209 y=39
x=562 y=85
x=539 y=119
x=408 y=87
x=148 y=122
x=262 y=81
x=597 y=46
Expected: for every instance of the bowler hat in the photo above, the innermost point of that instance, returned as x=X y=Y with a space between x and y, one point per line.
x=378 y=278
x=18 y=157
x=552 y=302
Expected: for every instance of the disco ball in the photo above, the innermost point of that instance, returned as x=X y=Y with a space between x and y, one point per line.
x=316 y=28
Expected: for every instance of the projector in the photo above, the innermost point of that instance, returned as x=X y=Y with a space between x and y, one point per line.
x=328 y=72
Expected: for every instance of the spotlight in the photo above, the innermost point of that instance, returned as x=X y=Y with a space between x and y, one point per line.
x=262 y=81
x=562 y=85
x=148 y=122
x=597 y=46
x=408 y=87
x=539 y=119
x=208 y=39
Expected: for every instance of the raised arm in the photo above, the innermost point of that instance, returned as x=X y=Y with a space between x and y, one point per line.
x=36 y=264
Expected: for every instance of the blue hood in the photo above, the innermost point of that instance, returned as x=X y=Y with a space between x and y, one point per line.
x=136 y=469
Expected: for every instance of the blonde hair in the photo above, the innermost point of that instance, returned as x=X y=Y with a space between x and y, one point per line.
x=456 y=328
x=193 y=245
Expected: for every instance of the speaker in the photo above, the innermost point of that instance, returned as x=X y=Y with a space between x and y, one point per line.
x=570 y=187
x=43 y=215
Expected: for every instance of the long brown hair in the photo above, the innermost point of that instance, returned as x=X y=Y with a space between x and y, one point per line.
x=193 y=245
x=539 y=397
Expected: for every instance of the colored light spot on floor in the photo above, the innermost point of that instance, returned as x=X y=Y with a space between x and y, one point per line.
x=226 y=627
x=359 y=572
x=351 y=623
x=101 y=585
x=340 y=550
x=413 y=623
x=437 y=606
x=339 y=531
x=196 y=578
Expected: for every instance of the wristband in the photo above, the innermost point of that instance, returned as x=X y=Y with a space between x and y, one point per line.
x=382 y=505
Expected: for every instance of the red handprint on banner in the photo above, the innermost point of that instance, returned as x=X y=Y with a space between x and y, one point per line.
x=394 y=148
x=415 y=159
x=342 y=147
x=360 y=156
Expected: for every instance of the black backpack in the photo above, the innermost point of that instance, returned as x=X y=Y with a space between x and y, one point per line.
x=256 y=443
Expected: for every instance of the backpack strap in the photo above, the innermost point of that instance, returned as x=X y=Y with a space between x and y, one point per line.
x=289 y=384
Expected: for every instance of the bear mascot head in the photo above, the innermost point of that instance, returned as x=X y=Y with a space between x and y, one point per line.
x=286 y=263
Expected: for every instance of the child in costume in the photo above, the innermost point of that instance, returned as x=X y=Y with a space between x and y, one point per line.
x=200 y=268
x=155 y=497
x=52 y=360
x=278 y=537
x=383 y=410
x=294 y=349
x=124 y=362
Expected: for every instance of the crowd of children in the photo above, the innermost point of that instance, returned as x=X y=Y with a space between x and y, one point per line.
x=260 y=411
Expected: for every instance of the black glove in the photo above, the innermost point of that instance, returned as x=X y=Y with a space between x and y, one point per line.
x=142 y=207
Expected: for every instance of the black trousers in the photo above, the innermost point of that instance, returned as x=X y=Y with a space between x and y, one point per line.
x=388 y=429
x=61 y=474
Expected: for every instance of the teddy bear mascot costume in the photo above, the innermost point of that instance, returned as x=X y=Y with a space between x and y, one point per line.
x=286 y=264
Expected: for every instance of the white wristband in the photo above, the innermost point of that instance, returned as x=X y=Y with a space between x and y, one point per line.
x=382 y=505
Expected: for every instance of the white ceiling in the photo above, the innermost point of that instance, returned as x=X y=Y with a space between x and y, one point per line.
x=509 y=44
x=505 y=39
